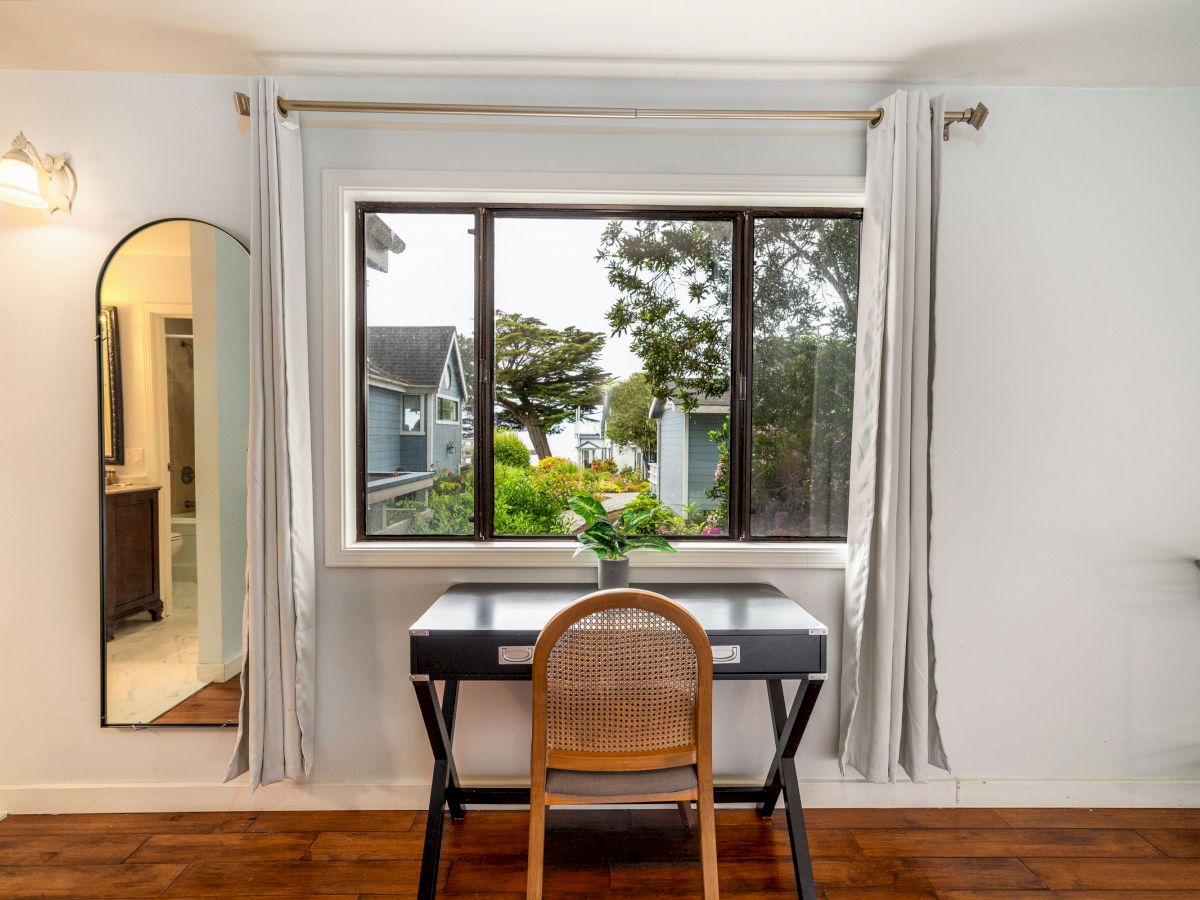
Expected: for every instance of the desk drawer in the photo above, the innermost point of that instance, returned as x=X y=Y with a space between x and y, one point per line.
x=451 y=654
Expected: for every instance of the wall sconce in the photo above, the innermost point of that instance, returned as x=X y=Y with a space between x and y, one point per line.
x=29 y=179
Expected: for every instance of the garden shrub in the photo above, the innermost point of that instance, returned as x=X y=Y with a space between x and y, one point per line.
x=508 y=450
x=448 y=508
x=664 y=521
x=558 y=464
x=530 y=502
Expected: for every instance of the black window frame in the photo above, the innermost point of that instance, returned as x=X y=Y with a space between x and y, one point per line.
x=742 y=219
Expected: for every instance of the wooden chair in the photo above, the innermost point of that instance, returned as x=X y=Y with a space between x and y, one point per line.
x=622 y=713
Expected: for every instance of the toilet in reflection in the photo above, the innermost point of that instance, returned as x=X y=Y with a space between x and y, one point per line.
x=176 y=543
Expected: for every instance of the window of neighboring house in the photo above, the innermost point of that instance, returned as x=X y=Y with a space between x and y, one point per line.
x=447 y=410
x=713 y=348
x=411 y=422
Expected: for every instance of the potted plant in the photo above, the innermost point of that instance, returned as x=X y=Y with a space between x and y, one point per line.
x=612 y=541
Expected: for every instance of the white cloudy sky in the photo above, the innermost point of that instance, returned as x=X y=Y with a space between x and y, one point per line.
x=544 y=268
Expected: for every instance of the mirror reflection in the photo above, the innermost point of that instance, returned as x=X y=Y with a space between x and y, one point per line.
x=174 y=400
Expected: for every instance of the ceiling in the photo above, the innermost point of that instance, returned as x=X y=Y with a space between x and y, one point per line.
x=995 y=42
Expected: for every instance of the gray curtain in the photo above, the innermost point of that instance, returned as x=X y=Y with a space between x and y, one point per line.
x=888 y=692
x=275 y=728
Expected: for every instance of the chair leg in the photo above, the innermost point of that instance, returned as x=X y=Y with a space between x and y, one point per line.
x=537 y=846
x=708 y=842
x=685 y=814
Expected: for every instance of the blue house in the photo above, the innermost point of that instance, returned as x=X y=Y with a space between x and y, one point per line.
x=415 y=395
x=686 y=457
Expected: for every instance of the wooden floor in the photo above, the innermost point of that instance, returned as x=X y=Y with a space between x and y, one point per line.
x=214 y=704
x=872 y=854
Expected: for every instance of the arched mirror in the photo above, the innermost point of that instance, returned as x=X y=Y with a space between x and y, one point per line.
x=174 y=395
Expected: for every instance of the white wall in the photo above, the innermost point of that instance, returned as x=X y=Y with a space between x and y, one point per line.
x=144 y=148
x=1066 y=494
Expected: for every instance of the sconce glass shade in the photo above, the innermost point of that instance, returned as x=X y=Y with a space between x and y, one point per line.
x=19 y=181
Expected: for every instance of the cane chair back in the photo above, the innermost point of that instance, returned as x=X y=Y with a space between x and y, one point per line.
x=622 y=712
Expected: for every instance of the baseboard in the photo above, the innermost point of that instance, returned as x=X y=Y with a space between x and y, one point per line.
x=84 y=798
x=219 y=672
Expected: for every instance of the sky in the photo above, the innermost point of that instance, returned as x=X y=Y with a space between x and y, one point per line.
x=544 y=268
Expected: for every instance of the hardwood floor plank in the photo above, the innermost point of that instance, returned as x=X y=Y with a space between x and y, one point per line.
x=200 y=847
x=858 y=819
x=1101 y=818
x=101 y=881
x=946 y=874
x=506 y=874
x=1118 y=874
x=231 y=879
x=67 y=849
x=1182 y=842
x=335 y=820
x=126 y=823
x=218 y=703
x=1068 y=895
x=664 y=877
x=352 y=845
x=605 y=855
x=963 y=842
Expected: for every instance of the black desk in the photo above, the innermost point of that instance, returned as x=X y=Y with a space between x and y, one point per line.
x=486 y=632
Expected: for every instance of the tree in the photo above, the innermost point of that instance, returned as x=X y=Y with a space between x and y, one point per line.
x=629 y=423
x=673 y=299
x=675 y=291
x=674 y=284
x=544 y=374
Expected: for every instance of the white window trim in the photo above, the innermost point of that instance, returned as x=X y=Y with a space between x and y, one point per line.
x=342 y=188
x=437 y=412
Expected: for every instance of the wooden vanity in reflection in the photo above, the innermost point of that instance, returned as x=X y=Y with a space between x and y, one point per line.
x=131 y=565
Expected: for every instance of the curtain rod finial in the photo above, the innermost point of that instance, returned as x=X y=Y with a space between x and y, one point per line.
x=241 y=102
x=977 y=116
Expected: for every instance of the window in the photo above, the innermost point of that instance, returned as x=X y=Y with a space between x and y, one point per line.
x=695 y=363
x=447 y=410
x=411 y=422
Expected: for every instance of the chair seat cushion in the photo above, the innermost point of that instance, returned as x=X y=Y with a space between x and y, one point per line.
x=568 y=782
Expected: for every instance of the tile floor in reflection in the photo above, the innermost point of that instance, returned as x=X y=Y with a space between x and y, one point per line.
x=152 y=665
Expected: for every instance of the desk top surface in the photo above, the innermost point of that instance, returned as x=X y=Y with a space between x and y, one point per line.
x=742 y=608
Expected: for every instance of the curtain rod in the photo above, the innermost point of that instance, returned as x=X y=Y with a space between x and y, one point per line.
x=973 y=116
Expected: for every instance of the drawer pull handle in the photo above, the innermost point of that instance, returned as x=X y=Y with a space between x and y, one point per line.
x=727 y=654
x=516 y=656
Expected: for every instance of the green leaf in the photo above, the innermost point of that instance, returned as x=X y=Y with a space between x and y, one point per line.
x=604 y=545
x=632 y=521
x=587 y=507
x=650 y=542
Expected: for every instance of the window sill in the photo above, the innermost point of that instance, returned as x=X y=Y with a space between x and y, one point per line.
x=546 y=554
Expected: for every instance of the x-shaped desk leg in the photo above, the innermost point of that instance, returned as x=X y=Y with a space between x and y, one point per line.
x=789 y=729
x=439 y=724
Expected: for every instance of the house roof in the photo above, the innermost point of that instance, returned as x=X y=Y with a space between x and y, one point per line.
x=411 y=354
x=703 y=405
